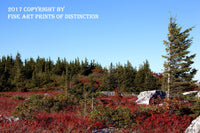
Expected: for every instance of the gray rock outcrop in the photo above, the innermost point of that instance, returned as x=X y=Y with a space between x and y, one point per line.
x=8 y=118
x=198 y=95
x=189 y=92
x=106 y=130
x=194 y=126
x=146 y=96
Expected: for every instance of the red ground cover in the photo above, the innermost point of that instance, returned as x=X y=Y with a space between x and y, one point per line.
x=73 y=121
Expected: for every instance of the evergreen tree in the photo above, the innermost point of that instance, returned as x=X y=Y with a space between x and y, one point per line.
x=109 y=81
x=48 y=70
x=3 y=74
x=48 y=65
x=139 y=79
x=40 y=65
x=29 y=68
x=112 y=83
x=35 y=80
x=87 y=68
x=144 y=79
x=125 y=76
x=129 y=77
x=71 y=70
x=119 y=77
x=59 y=67
x=18 y=80
x=178 y=68
x=7 y=73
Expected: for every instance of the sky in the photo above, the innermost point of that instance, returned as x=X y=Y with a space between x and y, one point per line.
x=131 y=30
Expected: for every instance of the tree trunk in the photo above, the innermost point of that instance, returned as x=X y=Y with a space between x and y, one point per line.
x=169 y=72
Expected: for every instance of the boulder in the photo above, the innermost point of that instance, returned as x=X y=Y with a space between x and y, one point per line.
x=146 y=96
x=198 y=95
x=194 y=127
x=106 y=130
x=189 y=92
x=8 y=118
x=11 y=118
x=108 y=93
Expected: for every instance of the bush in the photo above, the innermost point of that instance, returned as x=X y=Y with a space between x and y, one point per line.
x=185 y=110
x=39 y=103
x=120 y=117
x=171 y=106
x=148 y=109
x=35 y=89
x=61 y=101
x=29 y=108
x=18 y=98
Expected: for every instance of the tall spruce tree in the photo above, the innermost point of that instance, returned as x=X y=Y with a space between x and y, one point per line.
x=144 y=79
x=18 y=80
x=129 y=76
x=178 y=70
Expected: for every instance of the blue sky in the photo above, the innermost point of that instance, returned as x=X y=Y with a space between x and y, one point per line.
x=126 y=30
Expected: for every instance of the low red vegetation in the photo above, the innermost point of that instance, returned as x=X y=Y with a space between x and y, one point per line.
x=86 y=81
x=50 y=122
x=7 y=105
x=164 y=123
x=72 y=121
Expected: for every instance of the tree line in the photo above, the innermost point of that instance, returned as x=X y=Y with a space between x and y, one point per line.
x=28 y=75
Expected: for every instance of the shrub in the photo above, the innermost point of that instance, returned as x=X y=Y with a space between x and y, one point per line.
x=185 y=110
x=18 y=98
x=29 y=108
x=35 y=89
x=171 y=106
x=120 y=117
x=61 y=101
x=148 y=109
x=39 y=103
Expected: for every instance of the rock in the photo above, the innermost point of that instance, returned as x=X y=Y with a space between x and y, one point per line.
x=189 y=92
x=8 y=118
x=46 y=94
x=108 y=93
x=198 y=95
x=11 y=118
x=194 y=127
x=146 y=96
x=198 y=84
x=106 y=130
